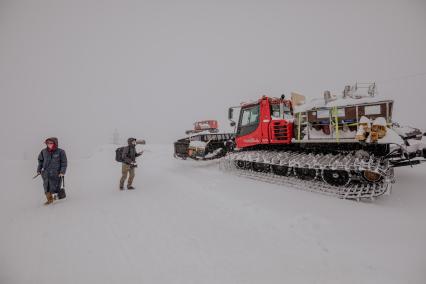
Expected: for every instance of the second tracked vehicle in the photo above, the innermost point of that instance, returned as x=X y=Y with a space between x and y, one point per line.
x=204 y=142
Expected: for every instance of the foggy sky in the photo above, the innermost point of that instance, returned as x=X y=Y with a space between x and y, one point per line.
x=80 y=69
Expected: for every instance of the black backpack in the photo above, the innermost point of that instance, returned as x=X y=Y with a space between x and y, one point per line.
x=119 y=154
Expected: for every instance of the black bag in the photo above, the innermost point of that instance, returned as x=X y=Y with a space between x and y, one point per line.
x=61 y=191
x=119 y=154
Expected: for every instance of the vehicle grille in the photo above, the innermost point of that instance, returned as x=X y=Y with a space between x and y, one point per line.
x=280 y=131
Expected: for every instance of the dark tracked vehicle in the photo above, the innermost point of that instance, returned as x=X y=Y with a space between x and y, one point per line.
x=204 y=142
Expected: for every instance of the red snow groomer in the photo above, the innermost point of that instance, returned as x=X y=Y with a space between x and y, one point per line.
x=346 y=146
x=205 y=125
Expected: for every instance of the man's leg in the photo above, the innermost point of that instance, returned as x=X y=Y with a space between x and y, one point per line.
x=131 y=177
x=55 y=184
x=124 y=171
x=49 y=197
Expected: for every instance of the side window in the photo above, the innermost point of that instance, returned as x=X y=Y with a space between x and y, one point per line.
x=287 y=113
x=250 y=116
x=275 y=111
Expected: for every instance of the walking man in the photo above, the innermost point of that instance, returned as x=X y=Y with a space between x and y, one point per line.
x=129 y=163
x=52 y=165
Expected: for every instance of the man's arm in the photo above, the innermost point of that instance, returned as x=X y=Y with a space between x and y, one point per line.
x=64 y=162
x=40 y=162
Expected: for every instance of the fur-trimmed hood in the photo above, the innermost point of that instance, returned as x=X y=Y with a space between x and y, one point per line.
x=53 y=139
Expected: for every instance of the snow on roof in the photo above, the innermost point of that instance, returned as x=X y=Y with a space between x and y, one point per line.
x=204 y=132
x=338 y=102
x=197 y=144
x=406 y=130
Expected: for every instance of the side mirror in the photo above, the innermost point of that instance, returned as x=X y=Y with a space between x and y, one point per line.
x=232 y=123
x=230 y=113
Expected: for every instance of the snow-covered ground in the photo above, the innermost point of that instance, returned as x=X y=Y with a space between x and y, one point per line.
x=188 y=222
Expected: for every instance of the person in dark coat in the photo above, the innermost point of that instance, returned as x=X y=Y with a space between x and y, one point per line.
x=52 y=165
x=129 y=163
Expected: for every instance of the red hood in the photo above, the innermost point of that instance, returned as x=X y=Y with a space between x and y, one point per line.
x=55 y=141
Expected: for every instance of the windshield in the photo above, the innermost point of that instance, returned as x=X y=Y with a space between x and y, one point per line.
x=250 y=116
x=249 y=120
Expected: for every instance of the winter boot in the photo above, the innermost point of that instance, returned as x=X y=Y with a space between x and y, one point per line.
x=49 y=198
x=130 y=187
x=121 y=187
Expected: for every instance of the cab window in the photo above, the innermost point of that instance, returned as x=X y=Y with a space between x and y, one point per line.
x=250 y=116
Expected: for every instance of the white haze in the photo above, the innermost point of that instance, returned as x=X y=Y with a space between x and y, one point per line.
x=80 y=69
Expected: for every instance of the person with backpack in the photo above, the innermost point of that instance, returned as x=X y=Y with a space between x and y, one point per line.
x=52 y=165
x=128 y=160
